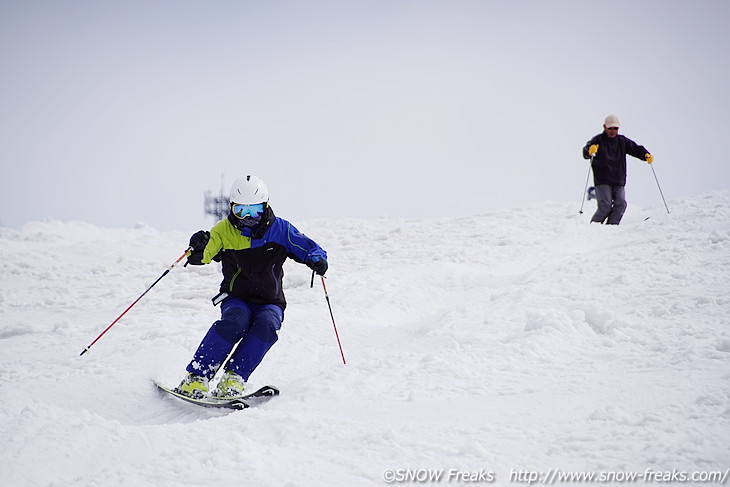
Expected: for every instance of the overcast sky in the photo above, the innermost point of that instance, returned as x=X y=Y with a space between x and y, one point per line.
x=125 y=112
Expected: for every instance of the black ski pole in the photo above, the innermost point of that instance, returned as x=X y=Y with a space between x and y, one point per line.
x=588 y=176
x=187 y=251
x=660 y=188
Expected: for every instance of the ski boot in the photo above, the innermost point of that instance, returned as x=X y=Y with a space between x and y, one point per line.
x=194 y=386
x=230 y=386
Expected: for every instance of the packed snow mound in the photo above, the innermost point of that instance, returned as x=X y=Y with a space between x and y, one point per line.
x=517 y=340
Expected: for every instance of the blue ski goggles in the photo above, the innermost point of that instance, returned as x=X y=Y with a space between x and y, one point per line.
x=242 y=211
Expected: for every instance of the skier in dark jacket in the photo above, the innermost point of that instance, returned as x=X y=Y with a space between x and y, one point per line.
x=251 y=244
x=607 y=151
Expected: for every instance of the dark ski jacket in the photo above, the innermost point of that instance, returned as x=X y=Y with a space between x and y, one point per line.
x=252 y=259
x=609 y=163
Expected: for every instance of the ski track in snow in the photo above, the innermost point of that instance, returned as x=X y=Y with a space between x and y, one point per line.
x=521 y=339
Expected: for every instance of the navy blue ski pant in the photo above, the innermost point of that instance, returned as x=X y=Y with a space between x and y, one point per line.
x=252 y=329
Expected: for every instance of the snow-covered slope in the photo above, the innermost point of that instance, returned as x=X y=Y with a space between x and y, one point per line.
x=522 y=340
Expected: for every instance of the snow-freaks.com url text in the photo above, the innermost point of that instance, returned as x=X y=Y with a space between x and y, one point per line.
x=557 y=476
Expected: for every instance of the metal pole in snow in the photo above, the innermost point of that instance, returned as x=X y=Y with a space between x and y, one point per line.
x=588 y=176
x=660 y=188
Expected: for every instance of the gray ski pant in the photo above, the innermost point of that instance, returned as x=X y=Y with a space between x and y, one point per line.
x=611 y=204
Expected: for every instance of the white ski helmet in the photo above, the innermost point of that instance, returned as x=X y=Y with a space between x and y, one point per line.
x=249 y=190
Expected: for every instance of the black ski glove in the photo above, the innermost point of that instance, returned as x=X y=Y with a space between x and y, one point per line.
x=198 y=241
x=318 y=265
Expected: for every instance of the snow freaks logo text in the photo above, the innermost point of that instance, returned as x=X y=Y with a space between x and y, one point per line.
x=552 y=476
x=424 y=475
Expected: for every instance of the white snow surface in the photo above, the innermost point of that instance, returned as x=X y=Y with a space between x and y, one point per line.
x=520 y=339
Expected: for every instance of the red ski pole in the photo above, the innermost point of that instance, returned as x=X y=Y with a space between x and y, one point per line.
x=337 y=335
x=185 y=254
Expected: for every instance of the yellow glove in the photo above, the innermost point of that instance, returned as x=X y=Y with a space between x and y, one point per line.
x=649 y=158
x=592 y=150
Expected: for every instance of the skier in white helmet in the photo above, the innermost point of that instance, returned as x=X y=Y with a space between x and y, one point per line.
x=252 y=245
